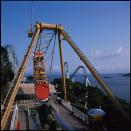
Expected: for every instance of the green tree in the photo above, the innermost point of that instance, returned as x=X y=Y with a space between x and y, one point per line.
x=7 y=74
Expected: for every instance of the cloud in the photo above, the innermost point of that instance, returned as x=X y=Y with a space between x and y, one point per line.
x=109 y=68
x=105 y=55
x=119 y=50
x=121 y=64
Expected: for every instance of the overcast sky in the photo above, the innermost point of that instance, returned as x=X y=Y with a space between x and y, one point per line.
x=100 y=29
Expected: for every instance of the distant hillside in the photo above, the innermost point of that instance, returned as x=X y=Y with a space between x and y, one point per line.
x=126 y=75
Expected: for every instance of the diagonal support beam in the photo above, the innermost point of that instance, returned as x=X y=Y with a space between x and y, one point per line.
x=12 y=95
x=96 y=75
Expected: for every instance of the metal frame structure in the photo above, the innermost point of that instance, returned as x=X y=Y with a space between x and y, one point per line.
x=62 y=63
x=11 y=97
x=38 y=28
x=96 y=75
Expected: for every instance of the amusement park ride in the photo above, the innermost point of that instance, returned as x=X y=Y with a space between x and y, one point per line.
x=40 y=82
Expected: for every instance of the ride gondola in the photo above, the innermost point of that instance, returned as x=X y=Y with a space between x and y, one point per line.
x=40 y=82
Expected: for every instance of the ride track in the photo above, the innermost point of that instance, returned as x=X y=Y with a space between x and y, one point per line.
x=39 y=27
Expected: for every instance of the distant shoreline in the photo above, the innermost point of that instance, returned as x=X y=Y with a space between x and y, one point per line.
x=107 y=77
x=126 y=75
x=58 y=73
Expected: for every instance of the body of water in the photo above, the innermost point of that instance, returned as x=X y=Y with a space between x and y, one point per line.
x=118 y=84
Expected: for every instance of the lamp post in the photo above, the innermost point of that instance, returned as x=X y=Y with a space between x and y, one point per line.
x=86 y=97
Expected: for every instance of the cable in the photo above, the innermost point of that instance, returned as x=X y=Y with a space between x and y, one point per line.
x=52 y=52
x=40 y=42
x=37 y=43
x=46 y=34
x=52 y=58
x=49 y=42
x=31 y=17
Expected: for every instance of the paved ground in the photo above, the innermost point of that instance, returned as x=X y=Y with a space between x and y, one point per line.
x=72 y=121
x=23 y=120
x=63 y=115
x=34 y=123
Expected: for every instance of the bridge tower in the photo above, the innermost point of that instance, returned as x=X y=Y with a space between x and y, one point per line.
x=87 y=82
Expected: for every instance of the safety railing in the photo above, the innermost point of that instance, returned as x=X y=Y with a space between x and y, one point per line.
x=30 y=103
x=14 y=120
x=75 y=111
x=54 y=106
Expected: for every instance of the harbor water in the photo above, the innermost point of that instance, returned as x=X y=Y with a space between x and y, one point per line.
x=118 y=84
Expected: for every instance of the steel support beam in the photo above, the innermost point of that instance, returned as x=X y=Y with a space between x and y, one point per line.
x=62 y=63
x=51 y=26
x=38 y=28
x=96 y=75
x=11 y=98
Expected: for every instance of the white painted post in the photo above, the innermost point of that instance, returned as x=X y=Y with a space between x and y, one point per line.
x=14 y=118
x=68 y=76
x=73 y=80
x=28 y=118
x=88 y=82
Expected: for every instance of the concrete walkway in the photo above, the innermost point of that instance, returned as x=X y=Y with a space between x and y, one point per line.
x=68 y=117
x=23 y=120
x=33 y=121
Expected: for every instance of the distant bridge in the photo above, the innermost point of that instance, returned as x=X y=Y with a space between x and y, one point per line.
x=87 y=82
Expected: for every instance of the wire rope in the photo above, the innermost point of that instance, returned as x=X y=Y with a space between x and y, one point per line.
x=52 y=57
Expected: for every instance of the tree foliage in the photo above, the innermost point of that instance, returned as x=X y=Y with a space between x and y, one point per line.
x=12 y=57
x=96 y=99
x=7 y=74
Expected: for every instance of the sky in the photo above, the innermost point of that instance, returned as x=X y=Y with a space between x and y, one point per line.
x=100 y=29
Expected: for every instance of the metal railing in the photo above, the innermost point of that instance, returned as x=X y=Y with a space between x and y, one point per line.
x=14 y=118
x=31 y=103
x=75 y=111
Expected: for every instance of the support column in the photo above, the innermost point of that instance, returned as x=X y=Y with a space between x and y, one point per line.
x=62 y=63
x=87 y=82
x=73 y=80
x=68 y=76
